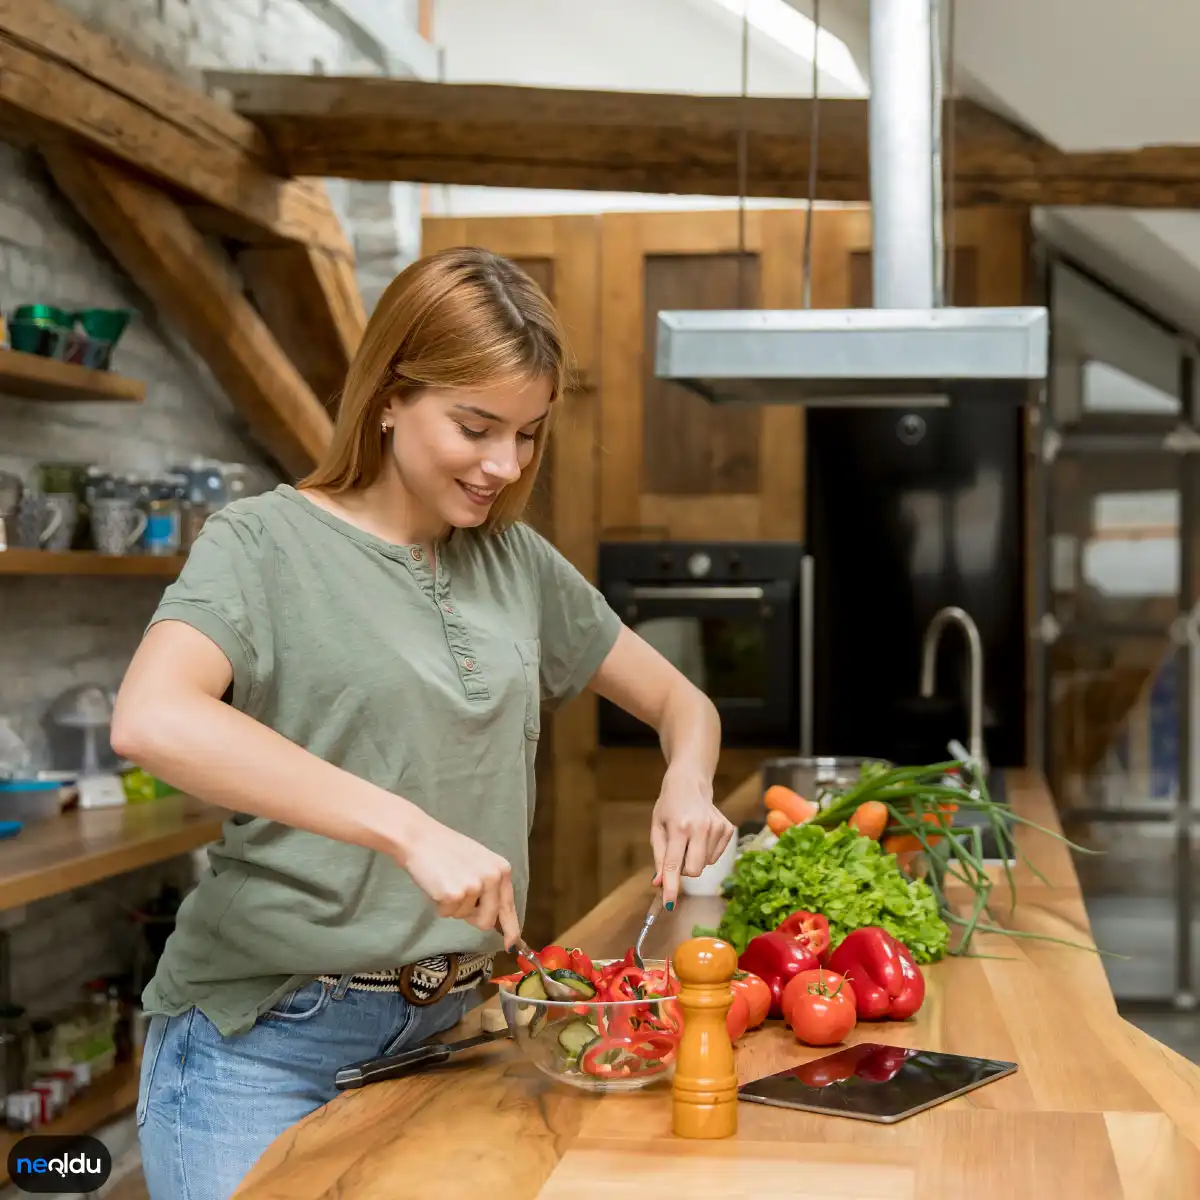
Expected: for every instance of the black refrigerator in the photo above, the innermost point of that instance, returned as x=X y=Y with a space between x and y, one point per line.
x=909 y=511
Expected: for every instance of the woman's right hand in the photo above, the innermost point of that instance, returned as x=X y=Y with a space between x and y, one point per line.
x=463 y=878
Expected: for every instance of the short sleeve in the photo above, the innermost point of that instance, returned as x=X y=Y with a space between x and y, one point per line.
x=223 y=591
x=577 y=626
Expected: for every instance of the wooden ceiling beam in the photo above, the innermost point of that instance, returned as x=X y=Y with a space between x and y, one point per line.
x=379 y=129
x=311 y=301
x=152 y=239
x=61 y=80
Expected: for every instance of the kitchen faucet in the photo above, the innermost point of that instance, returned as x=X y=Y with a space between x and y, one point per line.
x=933 y=634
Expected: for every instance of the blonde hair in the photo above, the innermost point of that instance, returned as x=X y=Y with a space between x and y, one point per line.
x=460 y=318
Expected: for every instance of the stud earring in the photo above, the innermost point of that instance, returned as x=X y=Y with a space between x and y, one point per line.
x=384 y=426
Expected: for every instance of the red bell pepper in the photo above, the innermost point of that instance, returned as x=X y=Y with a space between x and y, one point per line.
x=777 y=957
x=810 y=928
x=880 y=969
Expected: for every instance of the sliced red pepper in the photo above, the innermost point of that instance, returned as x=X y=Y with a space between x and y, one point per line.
x=608 y=1057
x=613 y=1057
x=501 y=980
x=810 y=928
x=627 y=984
x=581 y=964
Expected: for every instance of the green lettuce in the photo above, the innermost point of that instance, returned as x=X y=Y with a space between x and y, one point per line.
x=840 y=874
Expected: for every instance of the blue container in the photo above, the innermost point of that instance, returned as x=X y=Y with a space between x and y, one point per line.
x=30 y=799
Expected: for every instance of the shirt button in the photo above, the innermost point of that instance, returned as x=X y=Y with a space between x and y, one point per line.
x=469 y=664
x=416 y=554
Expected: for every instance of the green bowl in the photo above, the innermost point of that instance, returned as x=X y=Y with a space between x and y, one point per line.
x=104 y=324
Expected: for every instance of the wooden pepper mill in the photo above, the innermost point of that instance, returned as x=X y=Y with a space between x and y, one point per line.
x=704 y=1101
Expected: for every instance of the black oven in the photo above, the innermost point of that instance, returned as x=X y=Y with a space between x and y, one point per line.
x=734 y=617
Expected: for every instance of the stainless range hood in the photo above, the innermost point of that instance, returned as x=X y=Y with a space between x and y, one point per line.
x=905 y=350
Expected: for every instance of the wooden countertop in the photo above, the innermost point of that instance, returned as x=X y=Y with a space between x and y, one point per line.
x=85 y=845
x=1097 y=1111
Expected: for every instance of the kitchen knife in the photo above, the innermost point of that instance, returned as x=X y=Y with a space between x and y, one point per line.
x=392 y=1066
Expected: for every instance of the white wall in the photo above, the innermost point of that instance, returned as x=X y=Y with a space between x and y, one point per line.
x=622 y=45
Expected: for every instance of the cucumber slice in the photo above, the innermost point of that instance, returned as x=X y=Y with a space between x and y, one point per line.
x=530 y=986
x=585 y=989
x=575 y=1036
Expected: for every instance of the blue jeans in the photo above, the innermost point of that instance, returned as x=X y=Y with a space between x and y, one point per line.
x=208 y=1106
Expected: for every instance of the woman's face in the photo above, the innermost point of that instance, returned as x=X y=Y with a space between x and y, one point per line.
x=456 y=449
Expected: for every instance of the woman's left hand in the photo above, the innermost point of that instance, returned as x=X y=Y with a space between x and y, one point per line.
x=687 y=832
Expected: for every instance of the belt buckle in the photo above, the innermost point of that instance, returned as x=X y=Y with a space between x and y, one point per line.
x=405 y=984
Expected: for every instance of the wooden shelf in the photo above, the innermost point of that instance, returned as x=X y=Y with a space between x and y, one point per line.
x=111 y=1095
x=40 y=378
x=89 y=562
x=60 y=853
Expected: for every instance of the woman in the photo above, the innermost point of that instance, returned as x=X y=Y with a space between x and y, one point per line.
x=356 y=668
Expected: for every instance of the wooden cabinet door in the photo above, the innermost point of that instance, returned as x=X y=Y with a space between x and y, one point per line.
x=671 y=464
x=990 y=261
x=562 y=255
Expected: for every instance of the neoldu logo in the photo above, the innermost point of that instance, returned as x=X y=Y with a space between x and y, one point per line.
x=47 y=1164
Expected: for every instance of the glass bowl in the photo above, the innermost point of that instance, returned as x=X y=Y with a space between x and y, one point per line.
x=596 y=1045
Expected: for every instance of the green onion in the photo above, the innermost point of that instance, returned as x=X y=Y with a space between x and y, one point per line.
x=913 y=796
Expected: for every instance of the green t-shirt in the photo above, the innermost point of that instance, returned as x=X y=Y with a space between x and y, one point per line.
x=428 y=682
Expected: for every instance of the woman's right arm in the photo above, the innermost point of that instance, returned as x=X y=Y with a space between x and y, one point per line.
x=170 y=719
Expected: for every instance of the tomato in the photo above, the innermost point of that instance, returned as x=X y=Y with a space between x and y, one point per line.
x=819 y=1007
x=757 y=994
x=737 y=1016
x=555 y=958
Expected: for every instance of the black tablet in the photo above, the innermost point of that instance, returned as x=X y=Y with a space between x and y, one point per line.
x=873 y=1082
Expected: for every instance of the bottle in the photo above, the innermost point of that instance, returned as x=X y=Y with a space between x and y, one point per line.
x=162 y=534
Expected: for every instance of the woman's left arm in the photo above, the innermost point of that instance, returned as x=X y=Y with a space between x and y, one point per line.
x=687 y=832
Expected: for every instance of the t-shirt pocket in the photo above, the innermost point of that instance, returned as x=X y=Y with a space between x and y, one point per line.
x=530 y=650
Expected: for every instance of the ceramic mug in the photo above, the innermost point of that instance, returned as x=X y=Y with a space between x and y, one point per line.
x=37 y=520
x=116 y=525
x=709 y=881
x=66 y=504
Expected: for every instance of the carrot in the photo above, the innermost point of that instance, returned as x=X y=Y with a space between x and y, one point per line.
x=778 y=821
x=783 y=799
x=905 y=845
x=870 y=819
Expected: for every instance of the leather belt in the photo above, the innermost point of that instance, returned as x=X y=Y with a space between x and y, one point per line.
x=424 y=982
